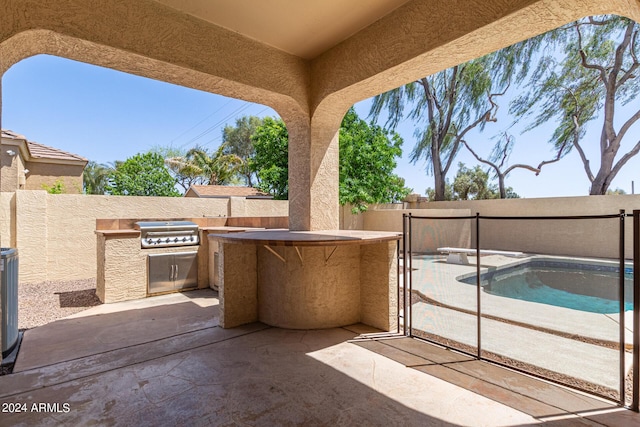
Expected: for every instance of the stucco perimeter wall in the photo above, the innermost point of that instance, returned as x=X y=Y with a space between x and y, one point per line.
x=55 y=233
x=427 y=235
x=243 y=207
x=589 y=238
x=7 y=219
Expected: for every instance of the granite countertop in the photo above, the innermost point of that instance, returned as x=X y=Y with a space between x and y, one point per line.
x=308 y=238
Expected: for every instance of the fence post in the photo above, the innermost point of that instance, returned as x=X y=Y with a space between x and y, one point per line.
x=398 y=258
x=621 y=301
x=404 y=275
x=410 y=280
x=478 y=288
x=636 y=309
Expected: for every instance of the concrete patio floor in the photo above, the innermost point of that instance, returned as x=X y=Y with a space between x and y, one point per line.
x=165 y=361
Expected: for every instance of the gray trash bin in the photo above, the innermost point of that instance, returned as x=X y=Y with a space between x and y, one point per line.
x=9 y=299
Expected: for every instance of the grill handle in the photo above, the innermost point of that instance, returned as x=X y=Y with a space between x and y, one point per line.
x=169 y=233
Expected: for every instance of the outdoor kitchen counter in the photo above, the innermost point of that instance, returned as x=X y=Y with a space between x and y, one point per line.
x=307 y=279
x=310 y=238
x=124 y=232
x=122 y=263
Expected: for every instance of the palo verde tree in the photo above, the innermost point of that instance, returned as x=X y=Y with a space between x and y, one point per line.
x=589 y=71
x=447 y=105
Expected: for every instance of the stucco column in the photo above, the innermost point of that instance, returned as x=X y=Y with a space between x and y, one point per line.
x=313 y=173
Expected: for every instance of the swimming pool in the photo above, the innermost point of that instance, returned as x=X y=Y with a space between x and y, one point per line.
x=579 y=286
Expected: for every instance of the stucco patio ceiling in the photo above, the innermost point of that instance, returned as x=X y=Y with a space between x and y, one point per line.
x=302 y=28
x=309 y=60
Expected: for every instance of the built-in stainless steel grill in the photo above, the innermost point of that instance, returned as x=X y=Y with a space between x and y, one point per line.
x=159 y=234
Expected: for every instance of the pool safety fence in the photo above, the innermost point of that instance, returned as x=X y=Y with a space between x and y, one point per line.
x=556 y=297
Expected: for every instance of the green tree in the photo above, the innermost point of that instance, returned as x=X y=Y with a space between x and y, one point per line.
x=184 y=172
x=270 y=161
x=142 y=175
x=218 y=168
x=237 y=140
x=367 y=160
x=450 y=104
x=57 y=187
x=616 y=192
x=590 y=71
x=472 y=184
x=95 y=178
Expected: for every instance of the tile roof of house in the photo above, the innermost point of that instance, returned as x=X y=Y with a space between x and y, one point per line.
x=40 y=151
x=12 y=135
x=226 y=191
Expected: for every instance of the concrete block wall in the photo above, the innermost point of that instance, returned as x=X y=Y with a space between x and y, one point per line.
x=589 y=238
x=55 y=233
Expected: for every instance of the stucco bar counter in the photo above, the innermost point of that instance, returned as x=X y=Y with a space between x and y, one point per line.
x=308 y=279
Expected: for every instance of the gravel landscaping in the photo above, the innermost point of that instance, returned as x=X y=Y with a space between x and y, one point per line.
x=44 y=302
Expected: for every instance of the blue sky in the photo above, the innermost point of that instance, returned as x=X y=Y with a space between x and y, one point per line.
x=105 y=115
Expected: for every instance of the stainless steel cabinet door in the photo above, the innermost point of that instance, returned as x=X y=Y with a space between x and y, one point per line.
x=186 y=270
x=160 y=273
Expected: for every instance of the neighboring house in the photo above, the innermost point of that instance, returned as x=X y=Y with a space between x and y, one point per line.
x=27 y=165
x=225 y=191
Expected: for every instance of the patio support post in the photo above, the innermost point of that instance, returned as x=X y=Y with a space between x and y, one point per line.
x=636 y=309
x=313 y=172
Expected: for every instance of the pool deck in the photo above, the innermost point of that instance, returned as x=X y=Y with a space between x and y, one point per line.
x=165 y=361
x=436 y=279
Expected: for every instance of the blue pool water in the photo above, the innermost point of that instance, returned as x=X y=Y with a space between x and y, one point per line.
x=585 y=287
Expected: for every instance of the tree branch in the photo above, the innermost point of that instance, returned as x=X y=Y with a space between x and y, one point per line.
x=629 y=73
x=617 y=63
x=592 y=21
x=583 y=156
x=459 y=138
x=624 y=159
x=522 y=166
x=546 y=162
x=486 y=116
x=583 y=57
x=451 y=97
x=497 y=168
x=430 y=98
x=625 y=127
